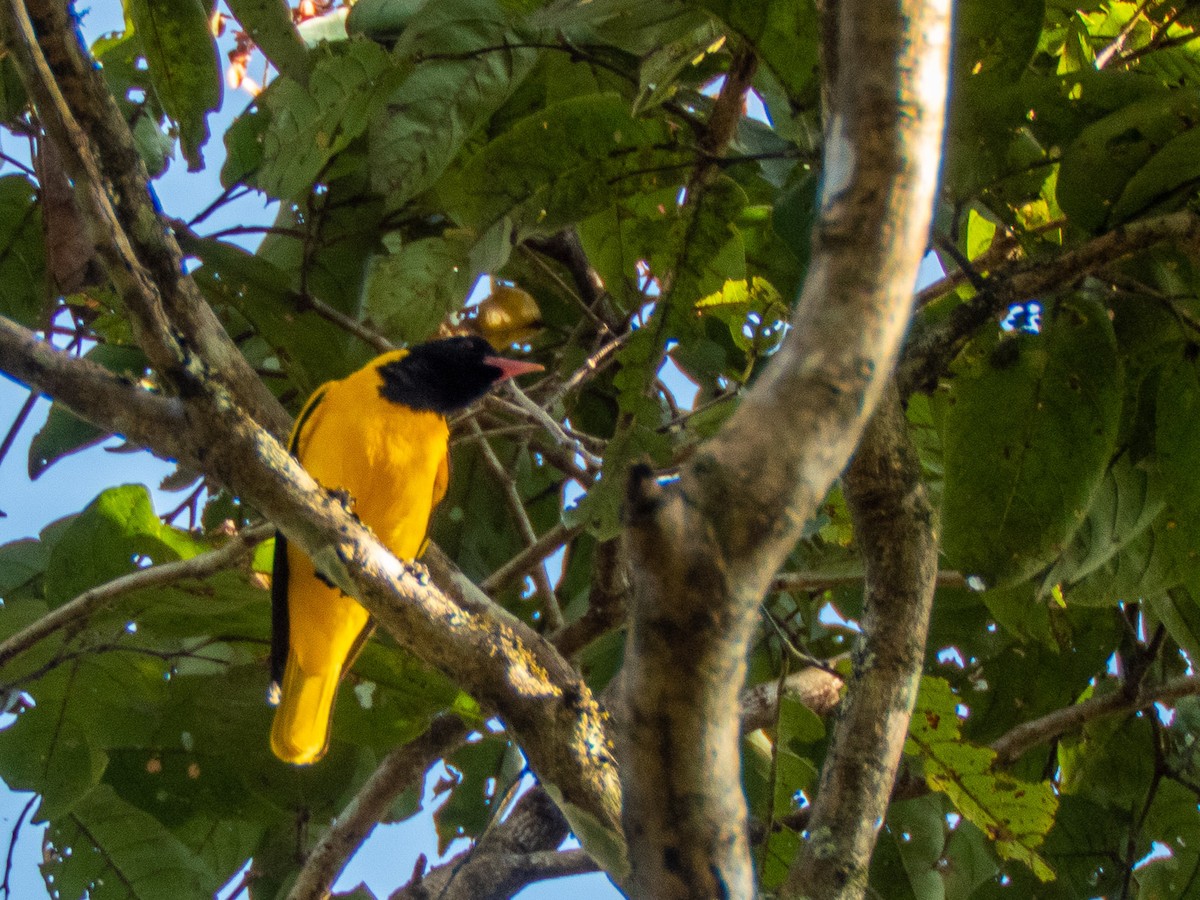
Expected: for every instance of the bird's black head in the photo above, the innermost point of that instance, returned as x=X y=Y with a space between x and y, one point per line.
x=446 y=376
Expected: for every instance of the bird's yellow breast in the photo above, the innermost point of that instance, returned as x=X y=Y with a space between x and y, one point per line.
x=389 y=458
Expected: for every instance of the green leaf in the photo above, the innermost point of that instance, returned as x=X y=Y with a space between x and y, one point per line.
x=84 y=706
x=563 y=164
x=21 y=562
x=1030 y=429
x=1111 y=760
x=411 y=291
x=1074 y=646
x=986 y=130
x=23 y=287
x=919 y=828
x=63 y=433
x=753 y=311
x=618 y=237
x=793 y=773
x=798 y=723
x=968 y=861
x=1167 y=179
x=344 y=228
x=784 y=36
x=481 y=774
x=269 y=24
x=1122 y=162
x=107 y=849
x=55 y=758
x=309 y=349
x=1172 y=821
x=182 y=56
x=308 y=126
x=1179 y=613
x=443 y=102
x=244 y=141
x=1145 y=568
x=13 y=99
x=382 y=20
x=117 y=531
x=1124 y=507
x=123 y=63
x=1015 y=815
x=1177 y=442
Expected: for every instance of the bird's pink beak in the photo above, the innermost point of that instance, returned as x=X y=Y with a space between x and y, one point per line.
x=511 y=368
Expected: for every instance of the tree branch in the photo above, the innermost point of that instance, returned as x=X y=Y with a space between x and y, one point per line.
x=931 y=349
x=706 y=548
x=517 y=852
x=504 y=664
x=104 y=595
x=533 y=555
x=516 y=508
x=894 y=522
x=112 y=402
x=401 y=768
x=818 y=689
x=606 y=601
x=175 y=326
x=1010 y=746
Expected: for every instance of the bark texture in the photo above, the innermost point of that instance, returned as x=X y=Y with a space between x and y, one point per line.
x=704 y=549
x=895 y=526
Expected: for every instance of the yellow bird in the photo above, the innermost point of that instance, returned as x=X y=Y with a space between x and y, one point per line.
x=380 y=436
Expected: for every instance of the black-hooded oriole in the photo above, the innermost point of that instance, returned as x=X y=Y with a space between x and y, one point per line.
x=380 y=436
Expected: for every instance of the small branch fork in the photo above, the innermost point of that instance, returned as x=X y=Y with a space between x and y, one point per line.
x=401 y=768
x=930 y=349
x=101 y=597
x=704 y=549
x=545 y=590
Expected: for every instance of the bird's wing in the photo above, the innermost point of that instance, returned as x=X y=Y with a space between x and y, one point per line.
x=280 y=574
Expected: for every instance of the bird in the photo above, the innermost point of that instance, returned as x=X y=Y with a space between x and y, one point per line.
x=378 y=437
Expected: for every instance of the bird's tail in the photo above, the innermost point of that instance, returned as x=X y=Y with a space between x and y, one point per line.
x=300 y=732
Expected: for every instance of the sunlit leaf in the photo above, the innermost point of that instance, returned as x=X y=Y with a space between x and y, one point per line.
x=1014 y=815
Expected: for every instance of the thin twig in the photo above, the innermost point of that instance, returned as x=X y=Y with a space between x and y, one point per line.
x=820 y=581
x=17 y=164
x=1160 y=41
x=541 y=264
x=1010 y=746
x=95 y=599
x=368 y=336
x=401 y=768
x=532 y=411
x=1114 y=47
x=541 y=581
x=231 y=193
x=12 y=845
x=188 y=503
x=683 y=417
x=458 y=440
x=566 y=248
x=562 y=460
x=531 y=556
x=931 y=347
x=591 y=367
x=18 y=423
